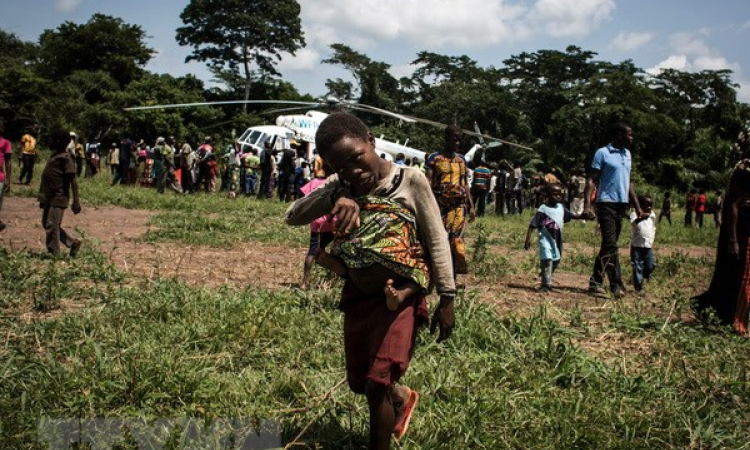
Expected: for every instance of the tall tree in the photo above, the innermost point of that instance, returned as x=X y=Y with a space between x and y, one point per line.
x=377 y=87
x=103 y=43
x=20 y=85
x=239 y=33
x=541 y=80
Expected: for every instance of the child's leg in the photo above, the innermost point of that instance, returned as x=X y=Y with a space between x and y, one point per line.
x=394 y=295
x=330 y=262
x=382 y=415
x=546 y=272
x=636 y=260
x=649 y=263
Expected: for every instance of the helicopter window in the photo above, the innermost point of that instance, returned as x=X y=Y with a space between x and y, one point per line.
x=254 y=137
x=244 y=136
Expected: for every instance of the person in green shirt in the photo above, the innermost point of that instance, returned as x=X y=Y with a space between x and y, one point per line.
x=252 y=165
x=164 y=165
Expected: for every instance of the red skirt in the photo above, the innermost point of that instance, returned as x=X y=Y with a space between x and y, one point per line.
x=378 y=343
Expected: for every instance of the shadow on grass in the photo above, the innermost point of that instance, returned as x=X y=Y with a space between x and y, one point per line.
x=328 y=433
x=556 y=288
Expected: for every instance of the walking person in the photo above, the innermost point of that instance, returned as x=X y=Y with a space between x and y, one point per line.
x=57 y=184
x=549 y=220
x=6 y=153
x=643 y=232
x=728 y=296
x=28 y=158
x=700 y=207
x=666 y=208
x=446 y=171
x=480 y=186
x=691 y=199
x=379 y=342
x=610 y=168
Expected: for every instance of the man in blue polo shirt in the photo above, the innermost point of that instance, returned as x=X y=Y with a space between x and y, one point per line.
x=610 y=168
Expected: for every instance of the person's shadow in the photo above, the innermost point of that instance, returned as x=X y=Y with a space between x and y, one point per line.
x=557 y=288
x=327 y=433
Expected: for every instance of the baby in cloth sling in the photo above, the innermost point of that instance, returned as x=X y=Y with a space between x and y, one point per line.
x=383 y=251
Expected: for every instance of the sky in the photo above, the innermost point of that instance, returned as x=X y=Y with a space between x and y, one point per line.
x=689 y=35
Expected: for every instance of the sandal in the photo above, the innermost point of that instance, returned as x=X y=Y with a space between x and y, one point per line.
x=402 y=422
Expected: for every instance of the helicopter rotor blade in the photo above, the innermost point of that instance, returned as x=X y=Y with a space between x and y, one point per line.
x=481 y=139
x=492 y=139
x=274 y=111
x=385 y=112
x=227 y=102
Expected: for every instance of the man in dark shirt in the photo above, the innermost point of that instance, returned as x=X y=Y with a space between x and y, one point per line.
x=58 y=179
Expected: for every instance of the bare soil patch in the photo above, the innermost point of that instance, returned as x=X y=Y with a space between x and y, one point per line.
x=116 y=231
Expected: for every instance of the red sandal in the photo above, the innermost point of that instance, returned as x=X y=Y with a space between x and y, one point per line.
x=402 y=423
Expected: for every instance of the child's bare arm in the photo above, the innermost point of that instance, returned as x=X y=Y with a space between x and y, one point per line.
x=527 y=244
x=316 y=204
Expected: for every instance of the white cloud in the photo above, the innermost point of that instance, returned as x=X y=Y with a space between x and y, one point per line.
x=709 y=62
x=691 y=53
x=627 y=42
x=571 y=18
x=690 y=43
x=304 y=60
x=743 y=92
x=677 y=62
x=67 y=5
x=428 y=24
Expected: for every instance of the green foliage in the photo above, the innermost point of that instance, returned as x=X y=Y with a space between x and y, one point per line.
x=238 y=34
x=166 y=350
x=104 y=43
x=106 y=344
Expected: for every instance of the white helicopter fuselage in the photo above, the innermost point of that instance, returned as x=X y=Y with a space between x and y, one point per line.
x=302 y=128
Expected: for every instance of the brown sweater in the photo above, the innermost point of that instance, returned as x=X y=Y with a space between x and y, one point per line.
x=414 y=193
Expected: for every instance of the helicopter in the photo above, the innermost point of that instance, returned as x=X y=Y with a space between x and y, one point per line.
x=301 y=128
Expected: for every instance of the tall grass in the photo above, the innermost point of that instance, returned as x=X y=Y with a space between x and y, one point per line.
x=164 y=350
x=83 y=340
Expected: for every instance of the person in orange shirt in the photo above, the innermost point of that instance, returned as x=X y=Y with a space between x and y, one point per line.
x=28 y=158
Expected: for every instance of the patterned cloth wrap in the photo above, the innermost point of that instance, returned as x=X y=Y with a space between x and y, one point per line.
x=234 y=178
x=387 y=236
x=451 y=193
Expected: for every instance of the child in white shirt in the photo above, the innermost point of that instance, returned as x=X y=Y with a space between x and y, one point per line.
x=641 y=241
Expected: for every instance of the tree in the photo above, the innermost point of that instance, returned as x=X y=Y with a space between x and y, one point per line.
x=103 y=43
x=377 y=87
x=180 y=122
x=20 y=85
x=234 y=33
x=542 y=79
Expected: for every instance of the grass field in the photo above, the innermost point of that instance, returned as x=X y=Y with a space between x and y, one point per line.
x=86 y=339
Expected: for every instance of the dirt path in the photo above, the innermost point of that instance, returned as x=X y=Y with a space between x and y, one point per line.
x=116 y=231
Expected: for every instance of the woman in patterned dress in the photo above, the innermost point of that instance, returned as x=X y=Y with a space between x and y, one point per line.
x=446 y=171
x=728 y=296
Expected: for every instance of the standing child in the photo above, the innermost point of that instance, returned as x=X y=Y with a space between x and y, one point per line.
x=321 y=229
x=378 y=342
x=718 y=205
x=692 y=197
x=641 y=240
x=58 y=180
x=666 y=207
x=550 y=219
x=700 y=207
